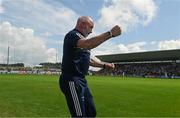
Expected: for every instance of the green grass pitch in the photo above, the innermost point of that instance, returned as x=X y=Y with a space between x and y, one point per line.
x=39 y=96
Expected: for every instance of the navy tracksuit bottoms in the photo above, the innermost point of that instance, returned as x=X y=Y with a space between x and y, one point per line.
x=79 y=99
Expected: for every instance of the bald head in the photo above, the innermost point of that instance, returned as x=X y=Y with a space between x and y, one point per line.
x=85 y=25
x=84 y=19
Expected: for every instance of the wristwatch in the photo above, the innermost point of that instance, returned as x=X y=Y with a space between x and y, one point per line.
x=110 y=33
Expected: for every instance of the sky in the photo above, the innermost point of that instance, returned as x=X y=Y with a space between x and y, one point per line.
x=34 y=29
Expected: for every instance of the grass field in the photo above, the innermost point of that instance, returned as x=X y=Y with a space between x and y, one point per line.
x=39 y=95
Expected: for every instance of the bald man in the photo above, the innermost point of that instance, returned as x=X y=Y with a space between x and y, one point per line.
x=75 y=65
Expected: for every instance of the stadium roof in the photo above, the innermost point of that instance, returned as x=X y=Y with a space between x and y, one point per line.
x=165 y=55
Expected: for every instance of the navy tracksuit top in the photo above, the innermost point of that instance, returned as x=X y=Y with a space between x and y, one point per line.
x=75 y=60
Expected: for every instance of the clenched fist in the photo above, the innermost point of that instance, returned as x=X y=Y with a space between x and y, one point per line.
x=109 y=66
x=116 y=31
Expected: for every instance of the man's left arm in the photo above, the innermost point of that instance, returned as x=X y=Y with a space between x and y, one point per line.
x=100 y=64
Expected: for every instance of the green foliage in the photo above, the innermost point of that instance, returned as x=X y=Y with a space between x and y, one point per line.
x=39 y=96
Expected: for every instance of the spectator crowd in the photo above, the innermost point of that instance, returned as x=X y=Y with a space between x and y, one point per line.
x=161 y=70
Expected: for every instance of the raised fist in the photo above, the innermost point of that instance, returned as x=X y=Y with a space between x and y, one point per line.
x=116 y=31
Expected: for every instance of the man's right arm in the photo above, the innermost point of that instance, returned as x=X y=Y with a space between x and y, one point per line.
x=97 y=40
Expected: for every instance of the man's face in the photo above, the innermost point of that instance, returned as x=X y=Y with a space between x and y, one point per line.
x=88 y=26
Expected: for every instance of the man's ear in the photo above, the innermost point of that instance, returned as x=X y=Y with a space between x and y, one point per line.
x=83 y=24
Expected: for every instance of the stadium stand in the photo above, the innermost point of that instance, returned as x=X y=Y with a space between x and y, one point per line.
x=7 y=68
x=161 y=64
x=42 y=68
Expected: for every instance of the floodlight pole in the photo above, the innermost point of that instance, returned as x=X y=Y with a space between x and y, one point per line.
x=56 y=57
x=8 y=58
